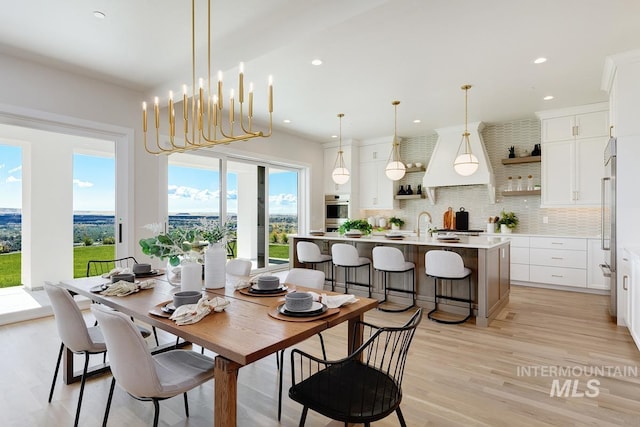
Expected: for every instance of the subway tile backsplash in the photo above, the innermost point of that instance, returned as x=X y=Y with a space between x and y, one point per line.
x=523 y=134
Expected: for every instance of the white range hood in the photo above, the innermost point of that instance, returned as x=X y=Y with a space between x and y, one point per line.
x=440 y=172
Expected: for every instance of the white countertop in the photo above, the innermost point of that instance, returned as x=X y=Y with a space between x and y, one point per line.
x=477 y=242
x=563 y=236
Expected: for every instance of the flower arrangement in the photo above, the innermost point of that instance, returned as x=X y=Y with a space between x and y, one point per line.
x=509 y=219
x=355 y=224
x=182 y=242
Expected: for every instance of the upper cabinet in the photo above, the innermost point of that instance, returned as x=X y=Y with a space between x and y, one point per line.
x=573 y=142
x=376 y=190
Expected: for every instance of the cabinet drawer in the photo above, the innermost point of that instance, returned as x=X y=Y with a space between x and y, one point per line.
x=559 y=243
x=520 y=272
x=519 y=242
x=558 y=276
x=558 y=258
x=519 y=255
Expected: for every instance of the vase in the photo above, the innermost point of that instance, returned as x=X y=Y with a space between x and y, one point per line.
x=505 y=229
x=215 y=260
x=174 y=274
x=395 y=227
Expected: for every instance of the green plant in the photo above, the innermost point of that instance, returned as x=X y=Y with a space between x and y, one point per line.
x=355 y=224
x=109 y=241
x=397 y=221
x=87 y=241
x=509 y=219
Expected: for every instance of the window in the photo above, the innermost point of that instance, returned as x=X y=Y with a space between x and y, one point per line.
x=10 y=215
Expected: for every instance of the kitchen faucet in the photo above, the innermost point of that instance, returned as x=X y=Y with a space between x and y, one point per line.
x=420 y=216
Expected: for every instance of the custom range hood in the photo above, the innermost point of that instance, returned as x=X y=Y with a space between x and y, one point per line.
x=440 y=172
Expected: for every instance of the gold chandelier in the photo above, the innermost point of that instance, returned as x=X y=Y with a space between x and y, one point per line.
x=204 y=111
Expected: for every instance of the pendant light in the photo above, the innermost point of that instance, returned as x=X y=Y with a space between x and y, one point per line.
x=466 y=163
x=395 y=169
x=340 y=174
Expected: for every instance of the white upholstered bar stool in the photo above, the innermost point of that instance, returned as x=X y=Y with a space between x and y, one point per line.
x=347 y=257
x=309 y=253
x=388 y=260
x=447 y=265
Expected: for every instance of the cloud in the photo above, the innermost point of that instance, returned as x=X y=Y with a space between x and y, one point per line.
x=191 y=193
x=16 y=169
x=232 y=195
x=283 y=200
x=82 y=184
x=1 y=165
x=12 y=179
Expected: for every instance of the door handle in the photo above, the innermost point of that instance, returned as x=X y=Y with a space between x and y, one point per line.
x=606 y=270
x=625 y=282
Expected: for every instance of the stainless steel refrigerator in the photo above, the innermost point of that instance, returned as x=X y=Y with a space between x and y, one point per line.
x=608 y=219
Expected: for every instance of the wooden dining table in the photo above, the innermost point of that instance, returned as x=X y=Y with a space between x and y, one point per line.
x=241 y=334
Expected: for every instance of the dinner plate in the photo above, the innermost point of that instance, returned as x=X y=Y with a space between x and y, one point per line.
x=168 y=308
x=100 y=288
x=149 y=273
x=254 y=289
x=316 y=309
x=394 y=237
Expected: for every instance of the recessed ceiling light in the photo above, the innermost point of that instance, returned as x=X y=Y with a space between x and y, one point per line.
x=98 y=14
x=548 y=98
x=334 y=136
x=417 y=121
x=316 y=62
x=540 y=60
x=286 y=121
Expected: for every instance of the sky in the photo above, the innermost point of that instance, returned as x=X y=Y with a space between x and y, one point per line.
x=191 y=190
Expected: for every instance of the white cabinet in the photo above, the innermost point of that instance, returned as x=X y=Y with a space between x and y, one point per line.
x=573 y=141
x=633 y=289
x=376 y=190
x=558 y=261
x=519 y=258
x=595 y=257
x=330 y=155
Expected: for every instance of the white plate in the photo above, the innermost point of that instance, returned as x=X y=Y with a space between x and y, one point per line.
x=315 y=306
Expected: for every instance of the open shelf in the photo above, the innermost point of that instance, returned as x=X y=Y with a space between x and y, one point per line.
x=528 y=159
x=410 y=196
x=520 y=193
x=415 y=169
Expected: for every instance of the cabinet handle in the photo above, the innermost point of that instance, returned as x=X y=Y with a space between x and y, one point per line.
x=611 y=131
x=625 y=281
x=556 y=257
x=557 y=275
x=574 y=131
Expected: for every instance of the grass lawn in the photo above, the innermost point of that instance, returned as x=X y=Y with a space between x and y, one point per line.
x=10 y=263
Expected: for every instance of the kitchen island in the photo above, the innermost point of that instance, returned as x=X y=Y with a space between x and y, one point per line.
x=488 y=257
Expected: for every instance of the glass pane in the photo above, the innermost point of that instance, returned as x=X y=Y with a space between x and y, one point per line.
x=10 y=215
x=245 y=204
x=94 y=193
x=283 y=213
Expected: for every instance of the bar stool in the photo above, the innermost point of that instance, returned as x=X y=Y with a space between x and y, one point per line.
x=347 y=257
x=447 y=265
x=387 y=260
x=309 y=253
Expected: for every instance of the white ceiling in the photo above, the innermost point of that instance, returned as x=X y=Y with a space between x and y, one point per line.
x=374 y=51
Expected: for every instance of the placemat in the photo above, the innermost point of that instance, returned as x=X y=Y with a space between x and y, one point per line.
x=157 y=310
x=277 y=315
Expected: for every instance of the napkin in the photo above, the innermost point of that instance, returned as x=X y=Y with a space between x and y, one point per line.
x=117 y=270
x=244 y=282
x=123 y=288
x=193 y=313
x=334 y=301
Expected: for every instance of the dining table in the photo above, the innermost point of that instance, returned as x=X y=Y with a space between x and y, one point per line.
x=249 y=329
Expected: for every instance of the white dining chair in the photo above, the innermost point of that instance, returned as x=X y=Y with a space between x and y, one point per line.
x=238 y=267
x=145 y=376
x=75 y=335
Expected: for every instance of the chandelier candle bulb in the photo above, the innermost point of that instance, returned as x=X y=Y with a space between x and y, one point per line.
x=241 y=84
x=144 y=116
x=231 y=109
x=156 y=110
x=220 y=90
x=250 y=100
x=270 y=94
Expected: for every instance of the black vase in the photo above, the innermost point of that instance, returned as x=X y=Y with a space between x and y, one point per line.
x=409 y=190
x=419 y=189
x=401 y=191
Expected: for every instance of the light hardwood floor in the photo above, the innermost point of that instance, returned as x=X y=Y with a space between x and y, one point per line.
x=457 y=375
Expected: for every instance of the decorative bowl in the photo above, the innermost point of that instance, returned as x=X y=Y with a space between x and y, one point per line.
x=186 y=297
x=127 y=277
x=141 y=268
x=298 y=301
x=418 y=164
x=268 y=282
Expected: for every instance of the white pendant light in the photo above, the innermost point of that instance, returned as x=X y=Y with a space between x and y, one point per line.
x=466 y=162
x=340 y=174
x=395 y=169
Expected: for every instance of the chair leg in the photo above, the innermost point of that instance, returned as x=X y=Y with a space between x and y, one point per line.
x=400 y=417
x=156 y=412
x=108 y=408
x=324 y=352
x=280 y=373
x=186 y=404
x=155 y=335
x=369 y=271
x=55 y=373
x=84 y=379
x=303 y=417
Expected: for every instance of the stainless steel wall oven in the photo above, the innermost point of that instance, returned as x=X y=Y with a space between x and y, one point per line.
x=336 y=210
